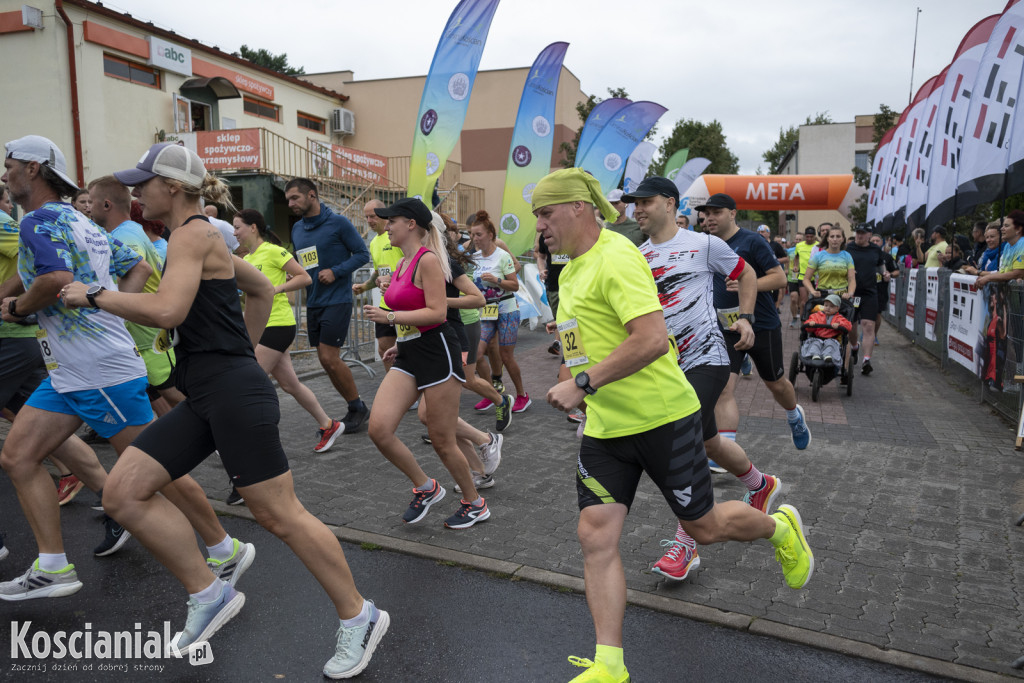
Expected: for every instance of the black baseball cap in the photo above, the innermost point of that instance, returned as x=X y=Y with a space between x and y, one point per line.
x=810 y=230
x=719 y=200
x=408 y=207
x=862 y=227
x=653 y=187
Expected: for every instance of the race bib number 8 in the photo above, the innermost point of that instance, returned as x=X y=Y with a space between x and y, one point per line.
x=407 y=332
x=44 y=347
x=308 y=257
x=490 y=312
x=728 y=316
x=572 y=343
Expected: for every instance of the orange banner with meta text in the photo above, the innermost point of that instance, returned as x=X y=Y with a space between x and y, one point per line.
x=782 y=192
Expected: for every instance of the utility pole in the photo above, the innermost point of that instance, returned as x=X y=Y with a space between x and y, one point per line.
x=913 y=58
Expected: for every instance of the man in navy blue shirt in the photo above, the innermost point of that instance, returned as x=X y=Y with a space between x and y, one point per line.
x=720 y=220
x=330 y=249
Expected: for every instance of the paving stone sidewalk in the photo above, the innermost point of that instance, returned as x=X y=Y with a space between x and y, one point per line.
x=910 y=490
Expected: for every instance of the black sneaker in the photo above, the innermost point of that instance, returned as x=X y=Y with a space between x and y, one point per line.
x=354 y=419
x=425 y=438
x=114 y=537
x=97 y=504
x=503 y=413
x=866 y=368
x=421 y=502
x=4 y=552
x=556 y=348
x=235 y=498
x=89 y=435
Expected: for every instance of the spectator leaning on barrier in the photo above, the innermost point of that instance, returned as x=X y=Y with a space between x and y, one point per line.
x=930 y=258
x=978 y=246
x=1011 y=263
x=989 y=261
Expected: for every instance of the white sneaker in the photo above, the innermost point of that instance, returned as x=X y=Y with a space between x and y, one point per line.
x=490 y=453
x=480 y=481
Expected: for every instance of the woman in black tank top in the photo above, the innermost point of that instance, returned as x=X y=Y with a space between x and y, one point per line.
x=231 y=406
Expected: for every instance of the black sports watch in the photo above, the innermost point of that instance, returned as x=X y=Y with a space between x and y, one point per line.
x=12 y=308
x=92 y=293
x=749 y=317
x=583 y=382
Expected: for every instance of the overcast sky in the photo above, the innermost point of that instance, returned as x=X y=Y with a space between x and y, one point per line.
x=754 y=66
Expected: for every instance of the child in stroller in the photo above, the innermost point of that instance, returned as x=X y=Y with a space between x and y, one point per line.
x=824 y=327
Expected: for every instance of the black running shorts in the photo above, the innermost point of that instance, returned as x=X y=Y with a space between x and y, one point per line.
x=278 y=338
x=431 y=358
x=328 y=325
x=21 y=370
x=231 y=407
x=709 y=382
x=609 y=470
x=384 y=331
x=868 y=309
x=794 y=287
x=766 y=353
x=472 y=331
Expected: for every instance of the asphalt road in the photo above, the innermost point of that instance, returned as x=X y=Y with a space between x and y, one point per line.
x=448 y=623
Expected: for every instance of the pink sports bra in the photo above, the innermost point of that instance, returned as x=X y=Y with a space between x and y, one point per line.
x=403 y=295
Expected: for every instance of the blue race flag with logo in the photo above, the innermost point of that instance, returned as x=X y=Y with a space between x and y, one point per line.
x=446 y=93
x=600 y=115
x=606 y=158
x=529 y=154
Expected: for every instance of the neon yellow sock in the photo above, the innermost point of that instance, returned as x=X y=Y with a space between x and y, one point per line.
x=611 y=657
x=781 y=531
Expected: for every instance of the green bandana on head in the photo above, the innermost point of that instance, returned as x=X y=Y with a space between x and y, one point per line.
x=572 y=185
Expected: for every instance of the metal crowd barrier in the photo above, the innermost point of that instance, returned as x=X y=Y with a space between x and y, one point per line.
x=1008 y=401
x=361 y=343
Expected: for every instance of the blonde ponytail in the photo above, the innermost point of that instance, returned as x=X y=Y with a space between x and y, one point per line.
x=434 y=241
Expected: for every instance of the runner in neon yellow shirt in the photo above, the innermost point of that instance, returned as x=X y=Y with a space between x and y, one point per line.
x=385 y=258
x=642 y=414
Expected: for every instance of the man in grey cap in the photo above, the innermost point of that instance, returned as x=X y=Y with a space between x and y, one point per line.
x=624 y=225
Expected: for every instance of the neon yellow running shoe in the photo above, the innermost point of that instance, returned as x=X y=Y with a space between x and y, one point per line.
x=793 y=553
x=596 y=672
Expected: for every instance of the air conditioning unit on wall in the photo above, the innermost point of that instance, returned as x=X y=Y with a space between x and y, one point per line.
x=343 y=122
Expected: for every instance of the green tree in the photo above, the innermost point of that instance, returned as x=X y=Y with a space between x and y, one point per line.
x=704 y=140
x=268 y=60
x=583 y=109
x=787 y=137
x=884 y=120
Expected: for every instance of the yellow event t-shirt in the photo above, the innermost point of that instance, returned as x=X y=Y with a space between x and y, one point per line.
x=270 y=259
x=385 y=258
x=803 y=252
x=599 y=292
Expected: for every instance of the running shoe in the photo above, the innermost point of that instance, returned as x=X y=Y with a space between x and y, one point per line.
x=231 y=569
x=746 y=366
x=866 y=369
x=67 y=488
x=36 y=583
x=206 y=618
x=415 y=405
x=425 y=438
x=114 y=537
x=678 y=561
x=498 y=385
x=329 y=436
x=467 y=515
x=354 y=419
x=596 y=672
x=522 y=403
x=97 y=504
x=793 y=553
x=556 y=348
x=421 y=502
x=877 y=343
x=89 y=435
x=503 y=413
x=480 y=481
x=576 y=416
x=763 y=498
x=4 y=552
x=356 y=645
x=715 y=467
x=794 y=323
x=483 y=405
x=490 y=454
x=801 y=433
x=235 y=498
x=828 y=360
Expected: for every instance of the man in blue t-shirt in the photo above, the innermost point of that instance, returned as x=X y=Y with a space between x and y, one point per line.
x=720 y=220
x=330 y=249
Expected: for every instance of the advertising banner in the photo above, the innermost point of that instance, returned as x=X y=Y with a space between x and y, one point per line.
x=674 y=163
x=446 y=93
x=223 y=150
x=911 y=297
x=345 y=163
x=636 y=169
x=606 y=157
x=931 y=302
x=529 y=154
x=603 y=112
x=966 y=311
x=778 y=192
x=892 y=297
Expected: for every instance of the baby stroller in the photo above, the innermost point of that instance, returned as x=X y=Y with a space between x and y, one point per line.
x=819 y=372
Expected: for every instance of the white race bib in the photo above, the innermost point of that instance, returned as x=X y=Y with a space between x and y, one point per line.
x=728 y=316
x=384 y=271
x=560 y=259
x=44 y=348
x=572 y=343
x=308 y=257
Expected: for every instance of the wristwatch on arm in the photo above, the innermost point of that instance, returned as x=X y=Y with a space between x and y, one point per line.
x=749 y=317
x=391 y=318
x=92 y=293
x=583 y=382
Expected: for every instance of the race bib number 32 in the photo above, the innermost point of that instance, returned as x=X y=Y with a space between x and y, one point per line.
x=308 y=257
x=572 y=343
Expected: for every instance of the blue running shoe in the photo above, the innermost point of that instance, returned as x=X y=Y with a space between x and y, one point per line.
x=801 y=434
x=205 y=619
x=421 y=502
x=715 y=467
x=356 y=645
x=746 y=367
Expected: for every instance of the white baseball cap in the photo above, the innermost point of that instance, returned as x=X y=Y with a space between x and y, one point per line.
x=42 y=150
x=168 y=160
x=615 y=196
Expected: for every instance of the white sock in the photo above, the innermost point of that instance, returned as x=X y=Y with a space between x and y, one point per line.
x=426 y=487
x=359 y=619
x=210 y=593
x=793 y=415
x=52 y=562
x=223 y=550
